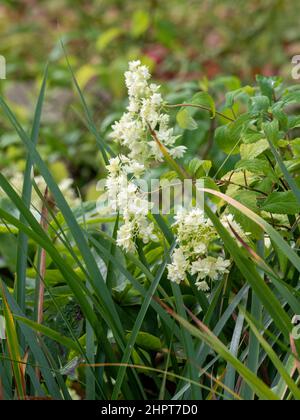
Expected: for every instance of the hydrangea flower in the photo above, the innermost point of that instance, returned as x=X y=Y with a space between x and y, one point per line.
x=179 y=267
x=125 y=197
x=144 y=113
x=195 y=233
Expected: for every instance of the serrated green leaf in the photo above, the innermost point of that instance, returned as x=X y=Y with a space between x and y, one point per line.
x=253 y=150
x=259 y=104
x=256 y=166
x=281 y=203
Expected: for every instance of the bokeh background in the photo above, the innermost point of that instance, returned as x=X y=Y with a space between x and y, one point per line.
x=185 y=43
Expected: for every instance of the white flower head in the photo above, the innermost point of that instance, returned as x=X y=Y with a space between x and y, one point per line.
x=143 y=112
x=125 y=237
x=203 y=286
x=125 y=197
x=210 y=267
x=177 y=270
x=195 y=236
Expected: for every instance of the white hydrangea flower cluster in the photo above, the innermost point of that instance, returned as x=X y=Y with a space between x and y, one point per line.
x=195 y=234
x=144 y=111
x=125 y=197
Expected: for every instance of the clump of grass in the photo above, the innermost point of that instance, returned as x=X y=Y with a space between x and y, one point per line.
x=114 y=326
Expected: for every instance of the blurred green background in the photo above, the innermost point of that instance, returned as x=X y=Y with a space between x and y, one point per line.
x=183 y=42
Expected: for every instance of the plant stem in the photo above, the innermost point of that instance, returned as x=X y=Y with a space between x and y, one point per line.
x=204 y=108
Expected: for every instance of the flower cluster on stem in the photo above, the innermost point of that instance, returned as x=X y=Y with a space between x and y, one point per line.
x=195 y=235
x=125 y=198
x=144 y=111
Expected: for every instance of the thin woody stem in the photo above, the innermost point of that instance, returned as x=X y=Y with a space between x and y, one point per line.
x=204 y=108
x=246 y=187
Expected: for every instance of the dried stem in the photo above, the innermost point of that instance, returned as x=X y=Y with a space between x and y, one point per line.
x=42 y=267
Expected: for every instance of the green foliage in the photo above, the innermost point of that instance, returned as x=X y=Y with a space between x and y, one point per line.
x=112 y=325
x=83 y=255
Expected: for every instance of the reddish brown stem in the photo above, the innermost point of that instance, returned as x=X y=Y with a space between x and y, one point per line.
x=42 y=268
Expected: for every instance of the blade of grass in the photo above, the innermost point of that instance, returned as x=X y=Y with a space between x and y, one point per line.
x=48 y=332
x=38 y=354
x=137 y=326
x=80 y=291
x=230 y=376
x=205 y=335
x=249 y=272
x=109 y=311
x=188 y=344
x=38 y=234
x=92 y=127
x=265 y=226
x=13 y=347
x=251 y=275
x=275 y=359
x=22 y=247
x=272 y=134
x=203 y=349
x=171 y=375
x=103 y=251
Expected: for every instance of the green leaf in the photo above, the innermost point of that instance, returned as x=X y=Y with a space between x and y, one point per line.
x=243 y=92
x=256 y=166
x=147 y=341
x=204 y=99
x=271 y=129
x=225 y=141
x=199 y=168
x=281 y=203
x=48 y=332
x=229 y=137
x=260 y=104
x=253 y=150
x=20 y=288
x=260 y=388
x=267 y=85
x=2 y=328
x=234 y=350
x=253 y=353
x=13 y=347
x=185 y=120
x=106 y=38
x=140 y=23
